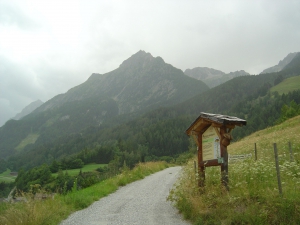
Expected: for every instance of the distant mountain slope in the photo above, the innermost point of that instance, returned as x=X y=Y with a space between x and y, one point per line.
x=281 y=64
x=213 y=77
x=28 y=109
x=140 y=84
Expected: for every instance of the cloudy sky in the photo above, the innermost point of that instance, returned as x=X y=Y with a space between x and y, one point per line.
x=48 y=47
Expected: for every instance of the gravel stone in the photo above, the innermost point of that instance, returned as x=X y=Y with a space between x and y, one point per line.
x=143 y=202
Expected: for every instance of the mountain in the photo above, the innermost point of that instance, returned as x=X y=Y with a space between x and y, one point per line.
x=293 y=67
x=140 y=84
x=213 y=77
x=281 y=64
x=28 y=109
x=71 y=129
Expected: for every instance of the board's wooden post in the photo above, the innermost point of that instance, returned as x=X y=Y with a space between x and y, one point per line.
x=224 y=156
x=201 y=169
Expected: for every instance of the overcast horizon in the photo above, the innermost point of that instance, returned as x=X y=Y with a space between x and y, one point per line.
x=48 y=47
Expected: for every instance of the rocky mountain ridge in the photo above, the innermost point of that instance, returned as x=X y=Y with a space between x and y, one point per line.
x=140 y=81
x=28 y=109
x=281 y=64
x=213 y=77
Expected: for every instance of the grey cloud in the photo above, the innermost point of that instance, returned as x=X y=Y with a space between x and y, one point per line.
x=13 y=15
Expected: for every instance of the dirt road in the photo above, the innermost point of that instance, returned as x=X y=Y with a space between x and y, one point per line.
x=141 y=202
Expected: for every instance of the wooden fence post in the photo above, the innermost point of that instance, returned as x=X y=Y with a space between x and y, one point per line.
x=291 y=152
x=255 y=151
x=201 y=169
x=277 y=169
x=196 y=172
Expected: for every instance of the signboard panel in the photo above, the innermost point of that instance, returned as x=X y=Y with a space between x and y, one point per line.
x=210 y=144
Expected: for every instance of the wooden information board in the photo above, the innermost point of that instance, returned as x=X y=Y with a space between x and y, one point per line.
x=210 y=144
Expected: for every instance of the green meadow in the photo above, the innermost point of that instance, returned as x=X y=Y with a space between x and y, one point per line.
x=288 y=85
x=86 y=168
x=6 y=177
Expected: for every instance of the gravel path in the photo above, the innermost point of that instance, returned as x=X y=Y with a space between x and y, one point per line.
x=141 y=202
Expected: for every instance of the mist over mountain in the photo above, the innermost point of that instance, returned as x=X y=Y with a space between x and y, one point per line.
x=282 y=63
x=213 y=77
x=28 y=109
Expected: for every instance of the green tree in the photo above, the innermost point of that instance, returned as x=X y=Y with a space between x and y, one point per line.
x=54 y=166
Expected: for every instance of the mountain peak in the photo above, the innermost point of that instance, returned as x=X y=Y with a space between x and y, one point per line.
x=281 y=64
x=141 y=58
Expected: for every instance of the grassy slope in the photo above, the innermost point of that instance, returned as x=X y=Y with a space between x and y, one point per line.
x=30 y=139
x=288 y=85
x=253 y=197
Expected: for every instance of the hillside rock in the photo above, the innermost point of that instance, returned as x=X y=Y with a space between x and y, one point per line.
x=281 y=64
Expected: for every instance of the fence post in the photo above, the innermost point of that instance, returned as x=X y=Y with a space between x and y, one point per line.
x=291 y=152
x=277 y=169
x=255 y=151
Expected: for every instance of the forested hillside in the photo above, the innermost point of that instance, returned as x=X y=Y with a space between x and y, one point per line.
x=160 y=132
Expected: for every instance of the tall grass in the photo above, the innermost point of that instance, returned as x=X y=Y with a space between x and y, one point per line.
x=52 y=211
x=253 y=197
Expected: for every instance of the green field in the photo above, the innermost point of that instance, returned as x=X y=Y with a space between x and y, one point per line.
x=288 y=85
x=86 y=168
x=6 y=177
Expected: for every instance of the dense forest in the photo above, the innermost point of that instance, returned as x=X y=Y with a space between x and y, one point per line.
x=156 y=134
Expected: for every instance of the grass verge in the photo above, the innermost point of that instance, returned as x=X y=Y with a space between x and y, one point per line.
x=53 y=211
x=253 y=197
